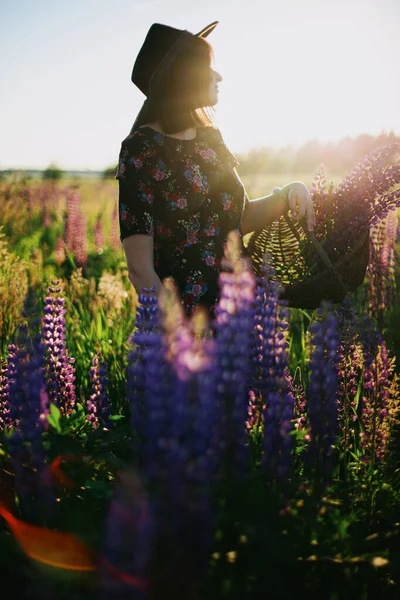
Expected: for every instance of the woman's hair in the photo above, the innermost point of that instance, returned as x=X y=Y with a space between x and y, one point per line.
x=180 y=100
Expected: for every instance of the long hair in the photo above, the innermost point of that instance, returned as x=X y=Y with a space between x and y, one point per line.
x=181 y=97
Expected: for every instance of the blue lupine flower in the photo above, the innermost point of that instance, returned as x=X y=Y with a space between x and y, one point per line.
x=176 y=421
x=28 y=395
x=322 y=397
x=146 y=330
x=234 y=316
x=271 y=382
x=193 y=451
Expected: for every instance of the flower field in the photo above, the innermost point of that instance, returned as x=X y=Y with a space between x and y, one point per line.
x=147 y=456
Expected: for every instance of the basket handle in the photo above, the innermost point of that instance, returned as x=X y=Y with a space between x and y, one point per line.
x=310 y=235
x=312 y=238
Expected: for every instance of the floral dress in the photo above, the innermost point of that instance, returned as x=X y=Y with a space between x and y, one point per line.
x=187 y=195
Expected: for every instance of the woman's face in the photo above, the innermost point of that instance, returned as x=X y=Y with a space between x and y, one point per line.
x=213 y=89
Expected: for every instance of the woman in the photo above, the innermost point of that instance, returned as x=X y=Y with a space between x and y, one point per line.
x=179 y=192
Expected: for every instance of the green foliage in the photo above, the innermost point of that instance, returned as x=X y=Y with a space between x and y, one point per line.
x=270 y=541
x=52 y=172
x=13 y=288
x=109 y=172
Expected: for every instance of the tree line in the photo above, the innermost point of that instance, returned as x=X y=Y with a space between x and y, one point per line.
x=338 y=157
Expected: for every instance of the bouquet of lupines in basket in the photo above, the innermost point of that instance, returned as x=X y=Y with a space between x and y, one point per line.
x=330 y=261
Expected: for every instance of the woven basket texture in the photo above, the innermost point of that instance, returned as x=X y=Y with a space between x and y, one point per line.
x=297 y=261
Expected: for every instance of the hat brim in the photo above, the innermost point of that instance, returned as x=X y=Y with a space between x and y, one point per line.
x=207 y=30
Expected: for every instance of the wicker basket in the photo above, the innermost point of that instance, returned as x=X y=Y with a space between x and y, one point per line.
x=303 y=268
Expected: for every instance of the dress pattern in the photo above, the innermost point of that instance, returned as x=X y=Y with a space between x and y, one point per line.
x=187 y=195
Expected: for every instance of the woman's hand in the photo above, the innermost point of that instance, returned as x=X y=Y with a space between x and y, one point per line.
x=300 y=202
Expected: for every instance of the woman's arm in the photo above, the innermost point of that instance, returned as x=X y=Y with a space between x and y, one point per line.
x=139 y=257
x=262 y=212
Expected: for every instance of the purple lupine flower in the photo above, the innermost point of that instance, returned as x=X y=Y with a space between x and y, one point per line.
x=146 y=328
x=376 y=400
x=98 y=405
x=381 y=268
x=169 y=379
x=270 y=376
x=29 y=389
x=193 y=448
x=234 y=316
x=318 y=193
x=255 y=409
x=4 y=406
x=130 y=531
x=349 y=373
x=60 y=372
x=348 y=381
x=8 y=414
x=367 y=195
x=261 y=362
x=322 y=397
x=300 y=408
x=370 y=180
x=10 y=408
x=99 y=239
x=28 y=395
x=157 y=395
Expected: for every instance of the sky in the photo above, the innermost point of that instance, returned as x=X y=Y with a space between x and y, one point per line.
x=293 y=71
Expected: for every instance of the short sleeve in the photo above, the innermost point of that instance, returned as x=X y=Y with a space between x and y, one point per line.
x=136 y=189
x=229 y=158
